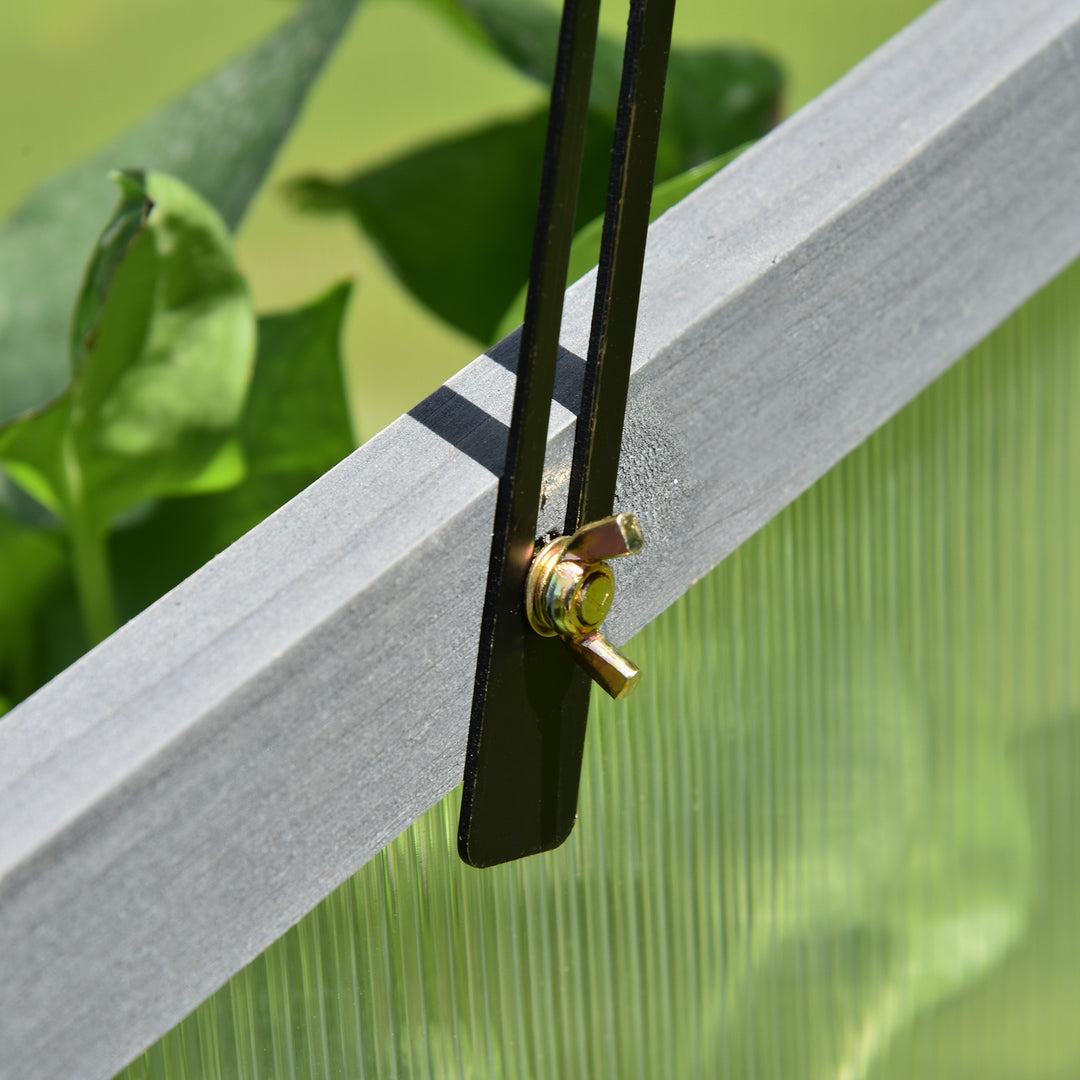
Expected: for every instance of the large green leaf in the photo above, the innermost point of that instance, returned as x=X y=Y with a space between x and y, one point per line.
x=585 y=251
x=220 y=137
x=716 y=99
x=294 y=427
x=296 y=419
x=31 y=565
x=454 y=220
x=526 y=34
x=727 y=95
x=165 y=336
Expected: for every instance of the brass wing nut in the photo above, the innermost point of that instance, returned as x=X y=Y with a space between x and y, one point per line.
x=570 y=590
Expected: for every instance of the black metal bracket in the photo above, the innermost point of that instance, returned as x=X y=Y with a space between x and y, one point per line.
x=530 y=705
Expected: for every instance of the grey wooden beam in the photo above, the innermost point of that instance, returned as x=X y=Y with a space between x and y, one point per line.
x=179 y=797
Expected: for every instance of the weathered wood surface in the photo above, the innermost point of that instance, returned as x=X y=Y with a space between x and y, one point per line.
x=179 y=797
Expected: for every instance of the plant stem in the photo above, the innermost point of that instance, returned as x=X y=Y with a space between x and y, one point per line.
x=90 y=556
x=93 y=580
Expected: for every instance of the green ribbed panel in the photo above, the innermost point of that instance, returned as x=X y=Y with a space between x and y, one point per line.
x=836 y=833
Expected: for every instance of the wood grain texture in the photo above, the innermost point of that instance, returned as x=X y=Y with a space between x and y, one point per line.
x=184 y=793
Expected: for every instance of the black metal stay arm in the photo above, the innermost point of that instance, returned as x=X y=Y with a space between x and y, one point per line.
x=598 y=441
x=530 y=701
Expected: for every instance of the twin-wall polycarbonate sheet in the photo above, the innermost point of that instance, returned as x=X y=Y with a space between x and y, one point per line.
x=834 y=835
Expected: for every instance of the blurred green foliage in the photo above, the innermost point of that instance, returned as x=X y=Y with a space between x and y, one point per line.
x=454 y=220
x=220 y=137
x=162 y=342
x=149 y=417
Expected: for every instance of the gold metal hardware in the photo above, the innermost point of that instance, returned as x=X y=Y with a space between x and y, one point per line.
x=570 y=590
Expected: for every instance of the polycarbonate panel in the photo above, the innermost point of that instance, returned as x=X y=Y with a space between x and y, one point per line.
x=835 y=834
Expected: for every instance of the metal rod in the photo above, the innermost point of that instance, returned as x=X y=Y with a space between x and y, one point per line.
x=598 y=441
x=508 y=816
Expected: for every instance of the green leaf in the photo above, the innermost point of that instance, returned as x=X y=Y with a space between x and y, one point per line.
x=526 y=35
x=716 y=98
x=585 y=252
x=165 y=335
x=462 y=22
x=294 y=427
x=29 y=559
x=455 y=219
x=220 y=137
x=296 y=419
x=32 y=563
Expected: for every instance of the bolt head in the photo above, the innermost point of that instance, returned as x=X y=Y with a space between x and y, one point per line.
x=595 y=598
